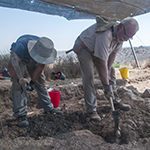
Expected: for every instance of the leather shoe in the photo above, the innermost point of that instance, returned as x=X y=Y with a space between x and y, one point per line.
x=94 y=116
x=122 y=106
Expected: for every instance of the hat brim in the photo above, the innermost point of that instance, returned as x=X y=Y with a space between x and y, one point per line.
x=37 y=57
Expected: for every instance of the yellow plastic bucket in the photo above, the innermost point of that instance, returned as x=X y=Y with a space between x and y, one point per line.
x=124 y=73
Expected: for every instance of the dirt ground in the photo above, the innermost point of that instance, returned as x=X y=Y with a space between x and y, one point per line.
x=73 y=130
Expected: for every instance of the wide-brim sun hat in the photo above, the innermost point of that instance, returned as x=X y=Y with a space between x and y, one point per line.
x=42 y=51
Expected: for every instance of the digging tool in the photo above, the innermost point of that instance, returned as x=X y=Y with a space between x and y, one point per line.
x=17 y=69
x=115 y=114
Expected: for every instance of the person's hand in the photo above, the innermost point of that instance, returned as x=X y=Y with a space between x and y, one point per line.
x=30 y=86
x=108 y=91
x=22 y=82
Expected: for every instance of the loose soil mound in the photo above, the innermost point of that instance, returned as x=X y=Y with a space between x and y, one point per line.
x=74 y=130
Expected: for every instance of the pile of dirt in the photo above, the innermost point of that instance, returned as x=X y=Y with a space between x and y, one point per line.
x=74 y=130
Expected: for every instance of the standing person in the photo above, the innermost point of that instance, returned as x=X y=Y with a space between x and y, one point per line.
x=99 y=45
x=33 y=52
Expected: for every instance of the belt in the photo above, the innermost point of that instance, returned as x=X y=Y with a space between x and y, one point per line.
x=82 y=45
x=79 y=45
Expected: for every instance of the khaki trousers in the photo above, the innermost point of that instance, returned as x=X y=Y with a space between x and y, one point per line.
x=87 y=60
x=19 y=98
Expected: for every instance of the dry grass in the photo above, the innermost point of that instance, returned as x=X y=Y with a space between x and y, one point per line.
x=67 y=65
x=4 y=59
x=142 y=63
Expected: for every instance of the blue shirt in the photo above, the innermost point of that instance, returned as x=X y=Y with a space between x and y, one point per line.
x=21 y=46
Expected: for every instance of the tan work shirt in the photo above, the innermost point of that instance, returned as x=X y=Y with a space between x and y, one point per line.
x=102 y=44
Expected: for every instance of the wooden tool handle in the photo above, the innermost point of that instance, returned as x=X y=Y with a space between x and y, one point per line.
x=69 y=51
x=112 y=104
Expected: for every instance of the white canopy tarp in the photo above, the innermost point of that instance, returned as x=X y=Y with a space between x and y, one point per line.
x=82 y=9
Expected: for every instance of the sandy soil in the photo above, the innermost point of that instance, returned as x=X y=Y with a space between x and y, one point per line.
x=73 y=130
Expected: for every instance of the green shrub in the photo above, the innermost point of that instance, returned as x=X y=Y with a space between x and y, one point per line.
x=116 y=65
x=119 y=65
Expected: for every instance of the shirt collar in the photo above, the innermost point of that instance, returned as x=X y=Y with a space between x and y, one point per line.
x=114 y=34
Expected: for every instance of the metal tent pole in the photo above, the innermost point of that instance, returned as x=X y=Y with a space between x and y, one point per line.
x=134 y=54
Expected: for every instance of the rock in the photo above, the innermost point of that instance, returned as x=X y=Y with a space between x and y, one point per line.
x=146 y=93
x=127 y=94
x=121 y=82
x=100 y=94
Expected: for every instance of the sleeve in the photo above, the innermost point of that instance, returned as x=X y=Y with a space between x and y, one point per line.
x=19 y=50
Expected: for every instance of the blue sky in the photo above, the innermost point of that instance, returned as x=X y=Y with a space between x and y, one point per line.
x=15 y=22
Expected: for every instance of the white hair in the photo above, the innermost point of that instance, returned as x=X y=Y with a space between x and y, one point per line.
x=129 y=21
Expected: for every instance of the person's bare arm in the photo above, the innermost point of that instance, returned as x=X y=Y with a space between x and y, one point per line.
x=11 y=68
x=104 y=72
x=37 y=72
x=111 y=59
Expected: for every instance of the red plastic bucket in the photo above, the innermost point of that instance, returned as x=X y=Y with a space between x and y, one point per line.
x=55 y=97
